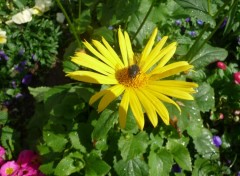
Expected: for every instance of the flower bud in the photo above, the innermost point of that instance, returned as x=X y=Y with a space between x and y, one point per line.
x=236 y=77
x=221 y=65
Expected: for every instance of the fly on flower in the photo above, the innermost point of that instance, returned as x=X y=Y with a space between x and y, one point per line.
x=143 y=85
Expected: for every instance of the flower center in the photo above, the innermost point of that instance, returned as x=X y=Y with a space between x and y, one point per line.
x=131 y=77
x=9 y=171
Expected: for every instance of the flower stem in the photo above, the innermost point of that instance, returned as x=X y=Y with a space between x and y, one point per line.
x=71 y=26
x=144 y=20
x=199 y=43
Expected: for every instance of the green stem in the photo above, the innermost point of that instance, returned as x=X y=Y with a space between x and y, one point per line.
x=71 y=26
x=198 y=44
x=144 y=20
x=79 y=8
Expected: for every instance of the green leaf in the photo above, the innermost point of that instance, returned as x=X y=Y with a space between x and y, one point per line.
x=103 y=32
x=3 y=116
x=204 y=167
x=133 y=145
x=197 y=9
x=69 y=164
x=75 y=140
x=38 y=92
x=207 y=55
x=95 y=166
x=56 y=142
x=194 y=4
x=136 y=20
x=81 y=24
x=134 y=167
x=204 y=146
x=204 y=97
x=106 y=121
x=180 y=154
x=160 y=162
x=7 y=140
x=231 y=20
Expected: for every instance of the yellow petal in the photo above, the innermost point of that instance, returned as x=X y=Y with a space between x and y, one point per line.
x=123 y=47
x=167 y=57
x=170 y=70
x=96 y=96
x=129 y=48
x=159 y=106
x=85 y=60
x=175 y=83
x=102 y=49
x=172 y=92
x=151 y=61
x=136 y=108
x=149 y=46
x=91 y=77
x=114 y=55
x=148 y=107
x=164 y=98
x=98 y=55
x=111 y=94
x=123 y=109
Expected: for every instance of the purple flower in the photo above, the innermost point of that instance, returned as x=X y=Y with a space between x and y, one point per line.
x=20 y=67
x=14 y=84
x=217 y=141
x=18 y=96
x=27 y=79
x=224 y=23
x=200 y=22
x=238 y=174
x=178 y=22
x=192 y=33
x=3 y=55
x=188 y=19
x=176 y=168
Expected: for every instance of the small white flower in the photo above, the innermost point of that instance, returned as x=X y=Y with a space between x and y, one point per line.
x=3 y=37
x=60 y=17
x=42 y=6
x=22 y=17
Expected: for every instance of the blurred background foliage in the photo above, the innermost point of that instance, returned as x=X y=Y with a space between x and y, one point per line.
x=50 y=114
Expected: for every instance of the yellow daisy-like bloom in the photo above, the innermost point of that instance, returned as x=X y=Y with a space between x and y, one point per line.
x=140 y=84
x=3 y=37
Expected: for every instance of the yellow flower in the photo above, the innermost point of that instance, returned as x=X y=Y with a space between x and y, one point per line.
x=140 y=80
x=3 y=37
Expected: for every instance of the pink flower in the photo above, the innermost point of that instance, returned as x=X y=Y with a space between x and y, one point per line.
x=27 y=171
x=221 y=65
x=236 y=77
x=9 y=168
x=2 y=155
x=221 y=116
x=28 y=158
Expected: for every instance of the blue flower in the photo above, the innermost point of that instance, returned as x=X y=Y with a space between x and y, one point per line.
x=178 y=22
x=200 y=22
x=110 y=27
x=217 y=141
x=192 y=33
